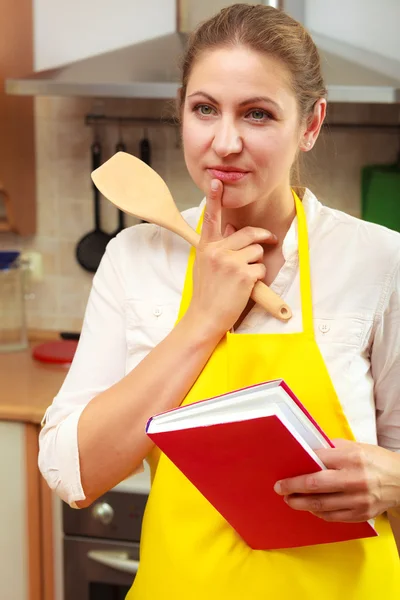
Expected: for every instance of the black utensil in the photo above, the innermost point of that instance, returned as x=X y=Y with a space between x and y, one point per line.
x=145 y=149
x=91 y=247
x=70 y=335
x=120 y=147
x=145 y=153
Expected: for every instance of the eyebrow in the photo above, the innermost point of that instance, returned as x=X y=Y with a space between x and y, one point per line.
x=253 y=100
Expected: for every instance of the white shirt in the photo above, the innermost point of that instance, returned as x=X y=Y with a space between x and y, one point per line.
x=135 y=300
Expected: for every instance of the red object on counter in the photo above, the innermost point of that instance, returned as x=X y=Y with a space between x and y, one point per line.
x=59 y=352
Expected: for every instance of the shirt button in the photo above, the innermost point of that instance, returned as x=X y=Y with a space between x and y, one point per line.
x=157 y=311
x=324 y=327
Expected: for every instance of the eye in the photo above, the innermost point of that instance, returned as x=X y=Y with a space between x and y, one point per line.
x=259 y=115
x=204 y=110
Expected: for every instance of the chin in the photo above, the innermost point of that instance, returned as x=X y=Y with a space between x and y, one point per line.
x=237 y=197
x=234 y=196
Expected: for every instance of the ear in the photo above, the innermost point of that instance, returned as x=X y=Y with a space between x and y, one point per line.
x=313 y=126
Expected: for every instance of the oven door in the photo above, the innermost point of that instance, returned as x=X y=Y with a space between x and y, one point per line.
x=98 y=569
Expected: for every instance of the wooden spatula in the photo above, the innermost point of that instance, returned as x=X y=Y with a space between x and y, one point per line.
x=138 y=190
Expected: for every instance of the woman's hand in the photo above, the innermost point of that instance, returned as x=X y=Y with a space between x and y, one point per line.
x=361 y=482
x=226 y=267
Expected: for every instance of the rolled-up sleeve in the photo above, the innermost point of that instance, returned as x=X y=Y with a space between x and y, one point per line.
x=98 y=364
x=385 y=365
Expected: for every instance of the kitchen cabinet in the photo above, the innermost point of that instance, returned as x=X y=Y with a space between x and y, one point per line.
x=26 y=527
x=30 y=516
x=17 y=148
x=27 y=568
x=13 y=514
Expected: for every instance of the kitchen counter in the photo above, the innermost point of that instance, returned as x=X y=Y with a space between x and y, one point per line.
x=27 y=387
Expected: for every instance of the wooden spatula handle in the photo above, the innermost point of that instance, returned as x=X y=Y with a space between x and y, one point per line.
x=272 y=303
x=261 y=294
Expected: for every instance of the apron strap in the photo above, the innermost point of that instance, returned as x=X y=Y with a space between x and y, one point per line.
x=304 y=268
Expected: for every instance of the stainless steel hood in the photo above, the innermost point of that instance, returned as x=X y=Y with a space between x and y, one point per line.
x=150 y=69
x=147 y=69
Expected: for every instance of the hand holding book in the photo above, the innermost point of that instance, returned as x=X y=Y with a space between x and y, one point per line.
x=356 y=486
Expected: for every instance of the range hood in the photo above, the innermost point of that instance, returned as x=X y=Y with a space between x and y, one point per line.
x=150 y=69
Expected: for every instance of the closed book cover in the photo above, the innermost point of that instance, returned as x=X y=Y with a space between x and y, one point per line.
x=235 y=466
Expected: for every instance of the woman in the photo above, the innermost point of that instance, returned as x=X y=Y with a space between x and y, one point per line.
x=252 y=98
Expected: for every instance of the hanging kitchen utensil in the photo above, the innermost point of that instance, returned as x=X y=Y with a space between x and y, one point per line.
x=145 y=153
x=91 y=247
x=136 y=189
x=120 y=147
x=145 y=149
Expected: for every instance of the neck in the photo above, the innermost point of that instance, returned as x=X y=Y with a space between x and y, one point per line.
x=275 y=213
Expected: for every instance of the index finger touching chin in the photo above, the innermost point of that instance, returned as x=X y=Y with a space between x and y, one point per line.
x=211 y=230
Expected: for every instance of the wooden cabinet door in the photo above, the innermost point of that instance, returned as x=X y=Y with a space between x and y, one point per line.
x=17 y=148
x=27 y=561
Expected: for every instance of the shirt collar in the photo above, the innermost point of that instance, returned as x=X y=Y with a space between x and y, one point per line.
x=312 y=208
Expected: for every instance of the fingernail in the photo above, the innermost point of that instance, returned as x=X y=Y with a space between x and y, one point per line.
x=278 y=487
x=214 y=185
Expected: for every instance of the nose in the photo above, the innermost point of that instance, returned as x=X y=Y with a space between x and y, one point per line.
x=227 y=139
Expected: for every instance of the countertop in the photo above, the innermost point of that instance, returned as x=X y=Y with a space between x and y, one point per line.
x=27 y=387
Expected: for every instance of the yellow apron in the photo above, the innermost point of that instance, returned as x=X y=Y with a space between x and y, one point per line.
x=189 y=552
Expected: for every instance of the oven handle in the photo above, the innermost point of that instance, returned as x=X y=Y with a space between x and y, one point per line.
x=115 y=559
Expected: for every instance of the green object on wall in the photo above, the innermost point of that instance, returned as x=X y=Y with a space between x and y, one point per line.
x=380 y=189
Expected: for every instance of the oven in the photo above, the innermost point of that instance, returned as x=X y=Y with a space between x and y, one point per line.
x=101 y=546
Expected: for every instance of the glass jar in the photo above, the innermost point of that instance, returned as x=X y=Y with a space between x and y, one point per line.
x=13 y=332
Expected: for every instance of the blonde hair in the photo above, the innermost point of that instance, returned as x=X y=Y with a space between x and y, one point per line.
x=266 y=30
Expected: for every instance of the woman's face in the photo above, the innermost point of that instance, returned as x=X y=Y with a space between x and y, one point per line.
x=240 y=124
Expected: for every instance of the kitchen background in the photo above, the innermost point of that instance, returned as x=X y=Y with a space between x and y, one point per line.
x=64 y=194
x=358 y=134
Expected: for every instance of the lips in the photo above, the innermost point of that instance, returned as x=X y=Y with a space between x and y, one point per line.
x=227 y=174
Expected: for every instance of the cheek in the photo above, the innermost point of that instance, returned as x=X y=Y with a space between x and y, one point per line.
x=274 y=149
x=195 y=137
x=194 y=148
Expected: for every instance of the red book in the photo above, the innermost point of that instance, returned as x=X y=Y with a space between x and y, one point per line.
x=235 y=447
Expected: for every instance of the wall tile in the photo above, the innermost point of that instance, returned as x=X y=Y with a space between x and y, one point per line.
x=75 y=219
x=69 y=266
x=37 y=320
x=43 y=296
x=49 y=248
x=73 y=293
x=47 y=214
